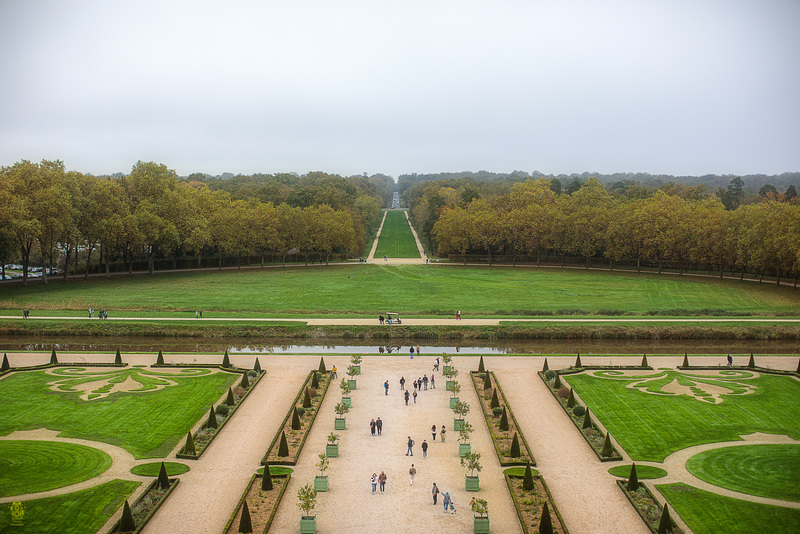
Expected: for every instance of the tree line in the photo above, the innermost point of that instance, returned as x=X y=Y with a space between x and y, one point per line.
x=69 y=218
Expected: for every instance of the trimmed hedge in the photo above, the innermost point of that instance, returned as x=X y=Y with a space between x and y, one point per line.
x=645 y=494
x=153 y=485
x=555 y=515
x=239 y=505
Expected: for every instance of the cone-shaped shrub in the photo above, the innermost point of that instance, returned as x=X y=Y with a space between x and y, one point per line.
x=608 y=449
x=245 y=383
x=257 y=366
x=571 y=399
x=514 y=453
x=644 y=360
x=189 y=447
x=126 y=524
x=481 y=368
x=587 y=420
x=53 y=358
x=752 y=362
x=527 y=480
x=226 y=361
x=665 y=525
x=578 y=361
x=557 y=382
x=487 y=381
x=545 y=368
x=163 y=479
x=495 y=402
x=118 y=358
x=229 y=400
x=315 y=380
x=283 y=448
x=295 y=419
x=266 y=480
x=685 y=360
x=322 y=365
x=504 y=420
x=244 y=523
x=306 y=399
x=5 y=366
x=546 y=523
x=633 y=479
x=160 y=358
x=212 y=419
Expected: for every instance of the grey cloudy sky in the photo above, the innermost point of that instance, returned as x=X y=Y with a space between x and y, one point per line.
x=672 y=86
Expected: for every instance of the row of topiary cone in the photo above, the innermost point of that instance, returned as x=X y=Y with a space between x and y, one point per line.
x=495 y=403
x=126 y=523
x=578 y=364
x=665 y=524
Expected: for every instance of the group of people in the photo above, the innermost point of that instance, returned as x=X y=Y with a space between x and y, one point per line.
x=419 y=384
x=376 y=426
x=198 y=314
x=25 y=313
x=376 y=479
x=102 y=314
x=389 y=319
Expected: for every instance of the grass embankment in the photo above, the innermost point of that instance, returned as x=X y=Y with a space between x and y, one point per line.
x=396 y=240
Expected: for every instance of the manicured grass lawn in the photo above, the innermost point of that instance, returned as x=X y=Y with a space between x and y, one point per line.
x=407 y=289
x=708 y=513
x=81 y=512
x=152 y=470
x=32 y=466
x=650 y=426
x=643 y=472
x=147 y=423
x=396 y=239
x=763 y=470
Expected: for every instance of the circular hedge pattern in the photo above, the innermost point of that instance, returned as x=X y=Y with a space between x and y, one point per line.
x=642 y=471
x=33 y=466
x=152 y=469
x=763 y=470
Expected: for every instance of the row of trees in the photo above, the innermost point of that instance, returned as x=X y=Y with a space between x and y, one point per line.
x=152 y=214
x=531 y=219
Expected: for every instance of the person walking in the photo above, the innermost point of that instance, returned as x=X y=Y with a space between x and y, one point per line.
x=435 y=493
x=372 y=427
x=415 y=397
x=412 y=353
x=436 y=364
x=402 y=383
x=380 y=319
x=446 y=501
x=442 y=431
x=374 y=481
x=382 y=481
x=333 y=372
x=407 y=396
x=417 y=350
x=410 y=451
x=424 y=448
x=425 y=382
x=433 y=382
x=412 y=472
x=458 y=315
x=415 y=385
x=386 y=386
x=433 y=433
x=379 y=425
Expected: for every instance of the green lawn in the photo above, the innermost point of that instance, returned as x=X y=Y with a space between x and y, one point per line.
x=396 y=239
x=651 y=426
x=407 y=289
x=763 y=470
x=148 y=423
x=708 y=513
x=32 y=466
x=152 y=469
x=81 y=512
x=643 y=472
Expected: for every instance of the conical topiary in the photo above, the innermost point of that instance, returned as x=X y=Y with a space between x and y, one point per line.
x=685 y=360
x=283 y=448
x=608 y=448
x=665 y=525
x=306 y=399
x=212 y=419
x=188 y=448
x=504 y=420
x=545 y=368
x=295 y=419
x=495 y=402
x=752 y=362
x=160 y=358
x=163 y=479
x=557 y=382
x=229 y=400
x=633 y=479
x=53 y=358
x=315 y=380
x=245 y=526
x=514 y=452
x=126 y=523
x=546 y=523
x=118 y=358
x=587 y=420
x=644 y=361
x=481 y=368
x=527 y=480
x=266 y=479
x=322 y=365
x=487 y=380
x=571 y=399
x=226 y=361
x=257 y=366
x=5 y=366
x=245 y=383
x=578 y=361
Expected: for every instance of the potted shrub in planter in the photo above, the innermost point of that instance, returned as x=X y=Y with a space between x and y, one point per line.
x=460 y=410
x=464 y=434
x=351 y=372
x=472 y=463
x=307 y=497
x=446 y=359
x=345 y=387
x=355 y=359
x=340 y=423
x=332 y=448
x=480 y=520
x=321 y=480
x=455 y=389
x=450 y=376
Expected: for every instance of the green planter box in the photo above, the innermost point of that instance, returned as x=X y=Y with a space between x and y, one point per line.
x=308 y=524
x=332 y=451
x=352 y=383
x=321 y=483
x=480 y=525
x=347 y=401
x=446 y=369
x=464 y=449
x=340 y=424
x=357 y=369
x=453 y=401
x=458 y=424
x=449 y=385
x=472 y=483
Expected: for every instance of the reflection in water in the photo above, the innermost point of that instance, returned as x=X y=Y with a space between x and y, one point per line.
x=344 y=346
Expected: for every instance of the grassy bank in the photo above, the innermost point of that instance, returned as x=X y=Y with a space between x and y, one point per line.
x=396 y=240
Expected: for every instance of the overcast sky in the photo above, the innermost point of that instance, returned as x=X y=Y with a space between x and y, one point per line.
x=672 y=86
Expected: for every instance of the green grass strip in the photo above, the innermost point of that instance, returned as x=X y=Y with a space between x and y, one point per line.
x=396 y=240
x=643 y=472
x=709 y=513
x=152 y=469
